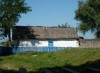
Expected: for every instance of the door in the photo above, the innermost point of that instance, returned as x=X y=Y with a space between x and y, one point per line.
x=50 y=43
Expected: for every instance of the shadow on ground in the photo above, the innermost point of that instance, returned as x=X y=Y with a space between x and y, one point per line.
x=80 y=69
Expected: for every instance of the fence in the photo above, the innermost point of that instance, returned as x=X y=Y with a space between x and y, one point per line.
x=6 y=50
x=89 y=43
x=11 y=50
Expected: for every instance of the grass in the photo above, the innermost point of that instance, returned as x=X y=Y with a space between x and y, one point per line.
x=34 y=61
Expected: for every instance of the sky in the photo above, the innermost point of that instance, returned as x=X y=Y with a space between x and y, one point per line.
x=51 y=13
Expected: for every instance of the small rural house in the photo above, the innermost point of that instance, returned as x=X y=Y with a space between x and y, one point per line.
x=40 y=36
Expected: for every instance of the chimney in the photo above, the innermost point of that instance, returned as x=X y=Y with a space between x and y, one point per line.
x=44 y=27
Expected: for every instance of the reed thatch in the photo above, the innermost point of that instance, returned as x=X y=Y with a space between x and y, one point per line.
x=34 y=32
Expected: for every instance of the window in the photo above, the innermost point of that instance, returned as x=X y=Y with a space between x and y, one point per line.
x=50 y=43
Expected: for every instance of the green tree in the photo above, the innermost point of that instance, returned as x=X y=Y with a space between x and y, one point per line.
x=10 y=13
x=88 y=13
x=64 y=25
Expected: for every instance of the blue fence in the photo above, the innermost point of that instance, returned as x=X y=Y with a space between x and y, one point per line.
x=11 y=50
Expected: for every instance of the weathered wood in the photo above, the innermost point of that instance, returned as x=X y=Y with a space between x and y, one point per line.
x=45 y=70
x=23 y=70
x=93 y=70
x=69 y=70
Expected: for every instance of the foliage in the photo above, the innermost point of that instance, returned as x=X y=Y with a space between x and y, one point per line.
x=3 y=43
x=10 y=12
x=8 y=43
x=88 y=13
x=64 y=25
x=33 y=61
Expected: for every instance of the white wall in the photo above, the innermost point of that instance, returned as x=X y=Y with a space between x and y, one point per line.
x=33 y=43
x=66 y=43
x=56 y=43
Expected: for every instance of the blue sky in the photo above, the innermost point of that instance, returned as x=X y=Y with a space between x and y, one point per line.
x=51 y=13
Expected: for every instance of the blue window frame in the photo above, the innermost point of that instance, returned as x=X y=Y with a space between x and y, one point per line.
x=50 y=43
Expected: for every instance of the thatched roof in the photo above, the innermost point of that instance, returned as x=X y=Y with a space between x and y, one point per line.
x=36 y=32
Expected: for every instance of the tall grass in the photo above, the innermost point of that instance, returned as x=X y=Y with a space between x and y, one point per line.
x=33 y=61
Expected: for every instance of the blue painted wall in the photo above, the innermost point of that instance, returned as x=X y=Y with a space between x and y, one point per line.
x=12 y=50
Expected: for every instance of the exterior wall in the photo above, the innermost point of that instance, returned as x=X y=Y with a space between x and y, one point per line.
x=39 y=43
x=45 y=43
x=90 y=43
x=66 y=43
x=11 y=50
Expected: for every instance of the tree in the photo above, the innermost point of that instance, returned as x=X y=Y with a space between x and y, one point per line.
x=88 y=13
x=10 y=13
x=64 y=25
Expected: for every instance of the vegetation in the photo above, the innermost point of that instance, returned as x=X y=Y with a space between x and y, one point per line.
x=88 y=13
x=34 y=61
x=7 y=43
x=10 y=12
x=3 y=43
x=64 y=25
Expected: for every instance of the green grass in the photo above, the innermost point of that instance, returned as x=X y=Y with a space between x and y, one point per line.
x=69 y=57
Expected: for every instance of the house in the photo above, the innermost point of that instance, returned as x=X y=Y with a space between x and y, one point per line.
x=40 y=36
